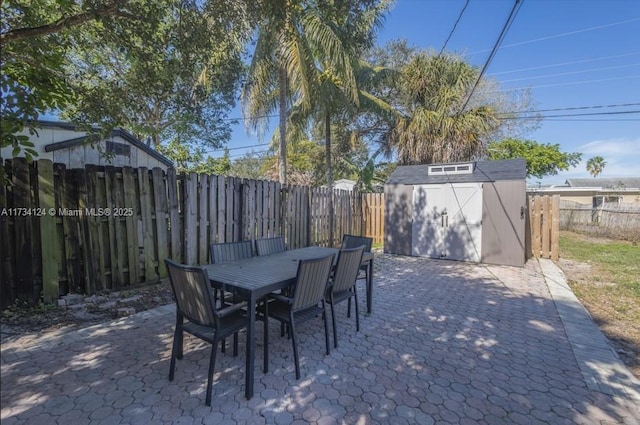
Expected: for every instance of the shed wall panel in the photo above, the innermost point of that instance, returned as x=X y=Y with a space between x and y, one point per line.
x=398 y=219
x=503 y=224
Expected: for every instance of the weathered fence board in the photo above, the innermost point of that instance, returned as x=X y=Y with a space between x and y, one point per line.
x=161 y=214
x=81 y=248
x=48 y=233
x=24 y=270
x=131 y=222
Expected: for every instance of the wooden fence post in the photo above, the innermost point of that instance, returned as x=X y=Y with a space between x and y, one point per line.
x=48 y=233
x=555 y=227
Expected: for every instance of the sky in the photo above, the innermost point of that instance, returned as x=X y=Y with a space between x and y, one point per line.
x=570 y=53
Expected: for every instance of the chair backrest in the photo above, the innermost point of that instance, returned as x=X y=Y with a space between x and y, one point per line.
x=193 y=293
x=346 y=270
x=311 y=282
x=353 y=241
x=231 y=251
x=268 y=246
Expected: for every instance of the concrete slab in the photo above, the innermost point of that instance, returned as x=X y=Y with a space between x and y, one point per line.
x=448 y=342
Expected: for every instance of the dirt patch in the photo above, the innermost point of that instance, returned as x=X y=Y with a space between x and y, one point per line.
x=77 y=311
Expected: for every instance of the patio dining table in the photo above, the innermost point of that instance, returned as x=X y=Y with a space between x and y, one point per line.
x=254 y=278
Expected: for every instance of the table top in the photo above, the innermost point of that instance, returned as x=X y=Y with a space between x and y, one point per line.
x=267 y=273
x=263 y=273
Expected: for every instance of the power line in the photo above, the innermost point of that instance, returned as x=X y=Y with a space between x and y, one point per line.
x=454 y=27
x=576 y=115
x=507 y=25
x=594 y=120
x=573 y=108
x=573 y=83
x=562 y=34
x=236 y=148
x=607 y=68
x=533 y=68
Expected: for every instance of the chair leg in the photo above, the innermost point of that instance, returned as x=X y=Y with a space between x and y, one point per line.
x=326 y=327
x=355 y=295
x=174 y=354
x=333 y=322
x=265 y=367
x=294 y=338
x=212 y=362
x=235 y=344
x=178 y=338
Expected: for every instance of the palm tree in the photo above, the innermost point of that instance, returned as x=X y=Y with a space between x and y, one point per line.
x=434 y=127
x=292 y=37
x=336 y=89
x=595 y=165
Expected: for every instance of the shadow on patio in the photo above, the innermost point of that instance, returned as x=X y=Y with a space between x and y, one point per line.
x=448 y=342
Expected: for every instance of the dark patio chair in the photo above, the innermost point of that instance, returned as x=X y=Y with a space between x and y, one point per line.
x=231 y=251
x=223 y=252
x=306 y=303
x=342 y=286
x=198 y=315
x=353 y=241
x=268 y=246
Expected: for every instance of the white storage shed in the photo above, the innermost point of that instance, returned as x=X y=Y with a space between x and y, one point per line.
x=472 y=211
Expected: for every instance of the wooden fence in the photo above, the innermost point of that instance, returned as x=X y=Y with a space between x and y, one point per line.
x=107 y=228
x=373 y=216
x=615 y=220
x=544 y=226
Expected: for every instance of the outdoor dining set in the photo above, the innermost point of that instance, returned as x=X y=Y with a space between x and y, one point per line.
x=249 y=281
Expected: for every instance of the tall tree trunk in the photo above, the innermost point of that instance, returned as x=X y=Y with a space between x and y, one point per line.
x=282 y=104
x=327 y=146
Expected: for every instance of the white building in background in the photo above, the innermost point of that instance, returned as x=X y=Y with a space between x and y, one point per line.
x=62 y=143
x=344 y=184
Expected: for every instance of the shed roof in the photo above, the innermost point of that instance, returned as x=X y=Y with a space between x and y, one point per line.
x=483 y=171
x=118 y=132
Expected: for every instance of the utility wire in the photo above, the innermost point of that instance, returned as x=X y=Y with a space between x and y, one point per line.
x=573 y=108
x=533 y=68
x=575 y=115
x=549 y=37
x=507 y=25
x=236 y=148
x=593 y=120
x=607 y=68
x=454 y=27
x=573 y=83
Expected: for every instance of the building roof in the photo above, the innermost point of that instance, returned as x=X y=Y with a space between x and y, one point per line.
x=76 y=141
x=606 y=183
x=483 y=171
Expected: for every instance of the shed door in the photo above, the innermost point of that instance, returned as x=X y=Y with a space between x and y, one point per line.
x=427 y=232
x=448 y=221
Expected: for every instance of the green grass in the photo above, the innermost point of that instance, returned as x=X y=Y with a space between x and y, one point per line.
x=617 y=261
x=609 y=288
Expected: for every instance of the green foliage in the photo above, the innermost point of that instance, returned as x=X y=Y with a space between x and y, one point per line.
x=430 y=93
x=542 y=159
x=304 y=57
x=163 y=69
x=177 y=81
x=436 y=128
x=188 y=160
x=249 y=166
x=30 y=79
x=595 y=165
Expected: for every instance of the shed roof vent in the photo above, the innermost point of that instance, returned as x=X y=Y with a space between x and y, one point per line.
x=442 y=170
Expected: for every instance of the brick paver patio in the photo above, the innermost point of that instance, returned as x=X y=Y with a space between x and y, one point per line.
x=448 y=342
